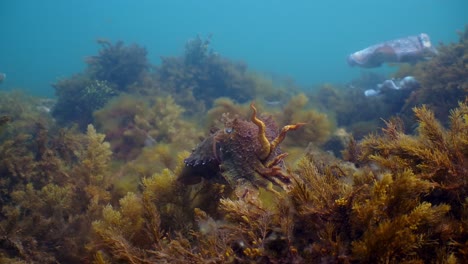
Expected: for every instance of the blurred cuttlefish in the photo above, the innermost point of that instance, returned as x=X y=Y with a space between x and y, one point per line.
x=2 y=77
x=408 y=49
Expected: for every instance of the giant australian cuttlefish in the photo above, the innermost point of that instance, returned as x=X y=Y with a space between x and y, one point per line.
x=242 y=151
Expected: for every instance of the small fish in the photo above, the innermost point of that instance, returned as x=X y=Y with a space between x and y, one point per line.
x=44 y=109
x=273 y=103
x=2 y=77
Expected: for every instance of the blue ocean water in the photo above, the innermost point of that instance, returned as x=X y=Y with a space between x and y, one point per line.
x=42 y=41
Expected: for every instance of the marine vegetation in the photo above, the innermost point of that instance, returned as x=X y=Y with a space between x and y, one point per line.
x=222 y=106
x=118 y=64
x=405 y=204
x=108 y=74
x=432 y=171
x=134 y=192
x=59 y=191
x=198 y=77
x=201 y=75
x=133 y=122
x=21 y=112
x=318 y=127
x=52 y=187
x=78 y=97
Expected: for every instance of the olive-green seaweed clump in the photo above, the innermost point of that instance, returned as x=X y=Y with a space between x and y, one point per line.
x=132 y=123
x=111 y=72
x=21 y=113
x=318 y=126
x=119 y=64
x=200 y=76
x=424 y=212
x=52 y=186
x=437 y=154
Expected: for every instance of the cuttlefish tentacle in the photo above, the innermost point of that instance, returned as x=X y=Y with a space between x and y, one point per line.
x=282 y=135
x=277 y=160
x=265 y=149
x=266 y=146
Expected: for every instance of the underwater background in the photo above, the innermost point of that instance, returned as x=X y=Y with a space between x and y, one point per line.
x=233 y=132
x=308 y=41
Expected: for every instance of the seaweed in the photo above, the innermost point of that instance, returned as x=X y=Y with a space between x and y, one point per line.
x=111 y=72
x=120 y=64
x=146 y=227
x=437 y=154
x=432 y=170
x=47 y=199
x=132 y=123
x=21 y=113
x=78 y=97
x=403 y=205
x=318 y=126
x=137 y=195
x=321 y=198
x=200 y=76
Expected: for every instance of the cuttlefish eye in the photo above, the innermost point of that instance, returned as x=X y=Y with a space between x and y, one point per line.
x=228 y=130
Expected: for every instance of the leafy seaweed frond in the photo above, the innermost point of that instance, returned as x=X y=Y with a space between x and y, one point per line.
x=402 y=235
